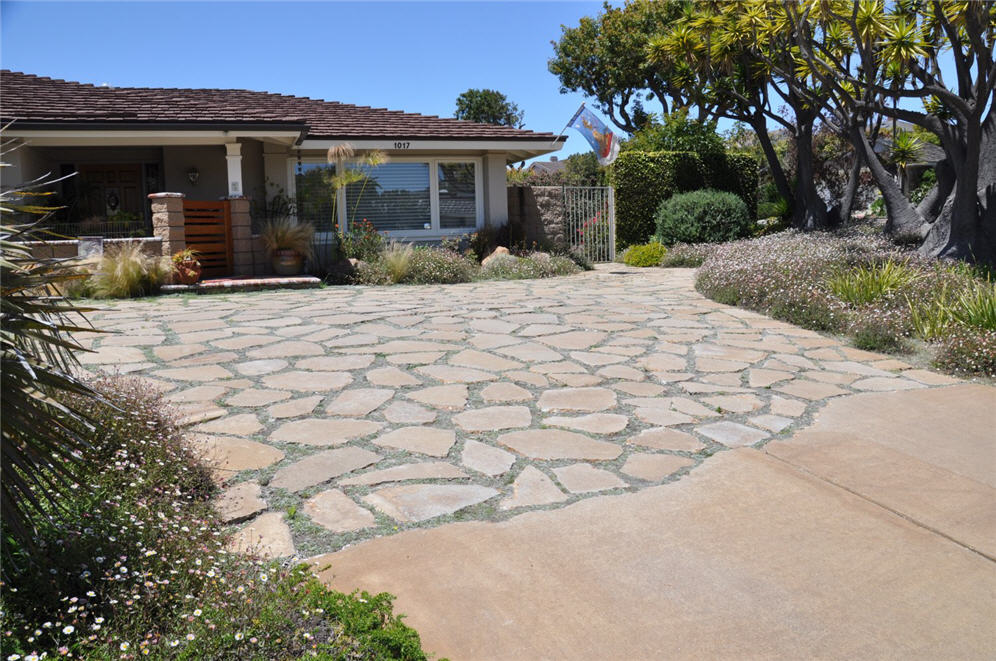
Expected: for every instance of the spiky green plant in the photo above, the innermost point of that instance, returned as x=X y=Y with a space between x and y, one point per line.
x=397 y=259
x=976 y=306
x=864 y=284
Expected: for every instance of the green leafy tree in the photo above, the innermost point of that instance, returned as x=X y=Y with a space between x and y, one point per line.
x=488 y=107
x=678 y=133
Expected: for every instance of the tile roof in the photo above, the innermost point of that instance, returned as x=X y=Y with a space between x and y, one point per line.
x=36 y=100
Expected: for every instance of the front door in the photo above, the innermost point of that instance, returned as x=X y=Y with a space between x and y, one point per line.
x=112 y=191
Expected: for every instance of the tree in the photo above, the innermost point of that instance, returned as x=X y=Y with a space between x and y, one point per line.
x=488 y=107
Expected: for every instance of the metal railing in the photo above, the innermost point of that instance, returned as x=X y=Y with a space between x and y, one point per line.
x=590 y=221
x=113 y=229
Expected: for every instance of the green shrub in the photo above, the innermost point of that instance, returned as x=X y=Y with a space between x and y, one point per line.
x=865 y=284
x=648 y=254
x=775 y=209
x=125 y=271
x=687 y=254
x=642 y=181
x=968 y=351
x=705 y=216
x=539 y=265
x=362 y=242
x=976 y=306
x=874 y=331
x=372 y=273
x=580 y=259
x=435 y=266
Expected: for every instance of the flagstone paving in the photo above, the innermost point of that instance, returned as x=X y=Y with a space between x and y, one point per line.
x=340 y=414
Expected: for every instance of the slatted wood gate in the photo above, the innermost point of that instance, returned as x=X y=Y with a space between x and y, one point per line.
x=208 y=229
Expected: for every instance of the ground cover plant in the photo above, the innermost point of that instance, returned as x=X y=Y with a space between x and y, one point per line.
x=647 y=254
x=853 y=283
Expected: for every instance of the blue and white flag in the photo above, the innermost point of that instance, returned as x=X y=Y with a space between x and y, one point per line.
x=602 y=140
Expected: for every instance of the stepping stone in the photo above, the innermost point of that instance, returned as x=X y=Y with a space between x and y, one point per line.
x=244 y=424
x=662 y=417
x=213 y=358
x=420 y=502
x=574 y=339
x=318 y=468
x=110 y=355
x=176 y=351
x=424 y=440
x=532 y=488
x=415 y=346
x=530 y=352
x=228 y=455
x=624 y=372
x=577 y=399
x=244 y=341
x=530 y=378
x=294 y=408
x=253 y=397
x=639 y=389
x=453 y=397
x=402 y=412
x=430 y=470
x=197 y=394
x=202 y=373
x=335 y=363
x=448 y=374
x=654 y=467
x=663 y=362
x=505 y=392
x=324 y=431
x=484 y=361
x=732 y=434
x=719 y=365
x=584 y=478
x=559 y=367
x=493 y=326
x=391 y=376
x=734 y=403
x=759 y=377
x=359 y=401
x=774 y=423
x=240 y=502
x=491 y=341
x=576 y=380
x=667 y=439
x=486 y=459
x=811 y=390
x=337 y=512
x=493 y=418
x=419 y=358
x=593 y=423
x=597 y=359
x=929 y=378
x=558 y=444
x=258 y=367
x=308 y=381
x=789 y=407
x=852 y=367
x=266 y=536
x=881 y=384
x=287 y=349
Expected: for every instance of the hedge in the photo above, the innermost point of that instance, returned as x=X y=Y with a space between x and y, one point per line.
x=645 y=179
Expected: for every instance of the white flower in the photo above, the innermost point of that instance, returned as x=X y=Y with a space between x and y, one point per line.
x=197 y=612
x=68 y=629
x=239 y=636
x=190 y=636
x=13 y=657
x=124 y=647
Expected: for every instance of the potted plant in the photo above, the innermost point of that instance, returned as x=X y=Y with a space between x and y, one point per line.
x=186 y=268
x=288 y=245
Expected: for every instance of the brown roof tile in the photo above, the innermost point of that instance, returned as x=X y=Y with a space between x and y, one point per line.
x=40 y=100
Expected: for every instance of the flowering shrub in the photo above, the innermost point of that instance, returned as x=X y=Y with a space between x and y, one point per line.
x=687 y=254
x=135 y=565
x=362 y=241
x=539 y=265
x=968 y=352
x=593 y=236
x=436 y=266
x=648 y=254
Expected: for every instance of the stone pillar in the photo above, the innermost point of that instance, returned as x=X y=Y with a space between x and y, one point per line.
x=167 y=221
x=242 y=255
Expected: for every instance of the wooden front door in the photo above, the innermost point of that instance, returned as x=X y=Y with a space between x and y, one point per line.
x=110 y=188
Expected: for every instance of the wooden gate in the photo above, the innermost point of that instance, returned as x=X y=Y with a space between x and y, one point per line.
x=208 y=229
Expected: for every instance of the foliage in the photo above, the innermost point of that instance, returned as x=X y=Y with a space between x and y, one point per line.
x=126 y=271
x=778 y=208
x=976 y=306
x=642 y=181
x=362 y=241
x=282 y=233
x=865 y=284
x=648 y=254
x=430 y=266
x=397 y=260
x=537 y=265
x=677 y=133
x=584 y=170
x=968 y=352
x=927 y=182
x=580 y=259
x=703 y=216
x=135 y=564
x=687 y=254
x=488 y=107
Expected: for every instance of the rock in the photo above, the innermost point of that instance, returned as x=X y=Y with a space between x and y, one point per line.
x=424 y=440
x=532 y=488
x=486 y=458
x=334 y=510
x=558 y=444
x=500 y=250
x=419 y=502
x=654 y=467
x=430 y=470
x=583 y=478
x=239 y=502
x=266 y=536
x=318 y=468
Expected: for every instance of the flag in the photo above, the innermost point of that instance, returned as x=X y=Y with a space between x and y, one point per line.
x=602 y=140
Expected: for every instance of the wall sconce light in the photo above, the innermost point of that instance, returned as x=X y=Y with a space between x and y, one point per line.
x=193 y=175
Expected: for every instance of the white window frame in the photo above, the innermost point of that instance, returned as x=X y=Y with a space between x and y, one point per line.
x=433 y=161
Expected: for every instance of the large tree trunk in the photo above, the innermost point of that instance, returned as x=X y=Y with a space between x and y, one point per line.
x=930 y=206
x=902 y=217
x=809 y=211
x=842 y=212
x=760 y=127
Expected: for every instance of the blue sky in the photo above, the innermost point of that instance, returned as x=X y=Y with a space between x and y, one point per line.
x=410 y=56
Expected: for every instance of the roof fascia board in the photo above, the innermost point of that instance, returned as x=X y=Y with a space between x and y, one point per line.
x=415 y=144
x=81 y=137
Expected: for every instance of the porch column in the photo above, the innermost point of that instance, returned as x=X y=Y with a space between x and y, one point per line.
x=495 y=193
x=242 y=256
x=233 y=155
x=167 y=221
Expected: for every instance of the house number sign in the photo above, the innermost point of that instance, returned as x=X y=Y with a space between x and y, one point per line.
x=402 y=145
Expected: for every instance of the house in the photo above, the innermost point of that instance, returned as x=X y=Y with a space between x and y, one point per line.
x=551 y=167
x=229 y=154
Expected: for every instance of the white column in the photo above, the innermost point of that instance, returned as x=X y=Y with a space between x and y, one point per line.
x=233 y=154
x=496 y=195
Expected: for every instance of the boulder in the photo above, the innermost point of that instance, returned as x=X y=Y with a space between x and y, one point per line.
x=500 y=250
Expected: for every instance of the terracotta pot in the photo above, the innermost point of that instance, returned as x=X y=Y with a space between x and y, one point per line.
x=187 y=272
x=287 y=262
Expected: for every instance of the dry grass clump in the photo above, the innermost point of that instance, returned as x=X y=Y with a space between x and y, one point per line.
x=126 y=271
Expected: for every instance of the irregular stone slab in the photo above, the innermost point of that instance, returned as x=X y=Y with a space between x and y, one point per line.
x=719 y=365
x=294 y=408
x=415 y=346
x=266 y=536
x=853 y=367
x=811 y=390
x=789 y=407
x=228 y=455
x=493 y=418
x=253 y=397
x=391 y=376
x=576 y=380
x=244 y=341
x=593 y=423
x=574 y=339
x=419 y=358
x=336 y=511
x=420 y=502
x=197 y=394
x=639 y=389
x=202 y=373
x=667 y=439
x=287 y=349
x=257 y=367
x=734 y=403
x=663 y=362
x=584 y=478
x=324 y=431
x=359 y=401
x=424 y=440
x=662 y=417
x=559 y=367
x=302 y=381
x=558 y=444
x=505 y=392
x=530 y=352
x=111 y=355
x=176 y=351
x=244 y=424
x=732 y=434
x=484 y=361
x=762 y=378
x=429 y=470
x=452 y=397
x=486 y=459
x=624 y=372
x=537 y=380
x=597 y=359
x=402 y=412
x=448 y=374
x=493 y=326
x=335 y=363
x=532 y=488
x=240 y=502
x=774 y=423
x=318 y=468
x=577 y=399
x=929 y=378
x=882 y=384
x=654 y=467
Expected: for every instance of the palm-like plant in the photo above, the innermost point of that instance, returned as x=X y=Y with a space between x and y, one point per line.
x=43 y=437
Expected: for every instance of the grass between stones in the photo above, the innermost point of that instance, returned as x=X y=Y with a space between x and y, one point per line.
x=135 y=565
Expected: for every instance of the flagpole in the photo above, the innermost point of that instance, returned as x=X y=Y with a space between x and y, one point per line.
x=569 y=122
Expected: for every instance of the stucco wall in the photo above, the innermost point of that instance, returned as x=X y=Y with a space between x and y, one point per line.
x=536 y=214
x=209 y=161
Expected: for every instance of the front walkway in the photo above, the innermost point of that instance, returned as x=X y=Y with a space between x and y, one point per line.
x=343 y=414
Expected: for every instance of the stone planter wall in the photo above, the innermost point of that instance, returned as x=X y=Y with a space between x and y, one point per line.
x=69 y=248
x=536 y=215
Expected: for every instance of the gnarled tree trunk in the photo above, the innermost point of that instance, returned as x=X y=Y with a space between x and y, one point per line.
x=809 y=211
x=930 y=206
x=902 y=217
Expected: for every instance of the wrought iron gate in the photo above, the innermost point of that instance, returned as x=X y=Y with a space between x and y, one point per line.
x=590 y=221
